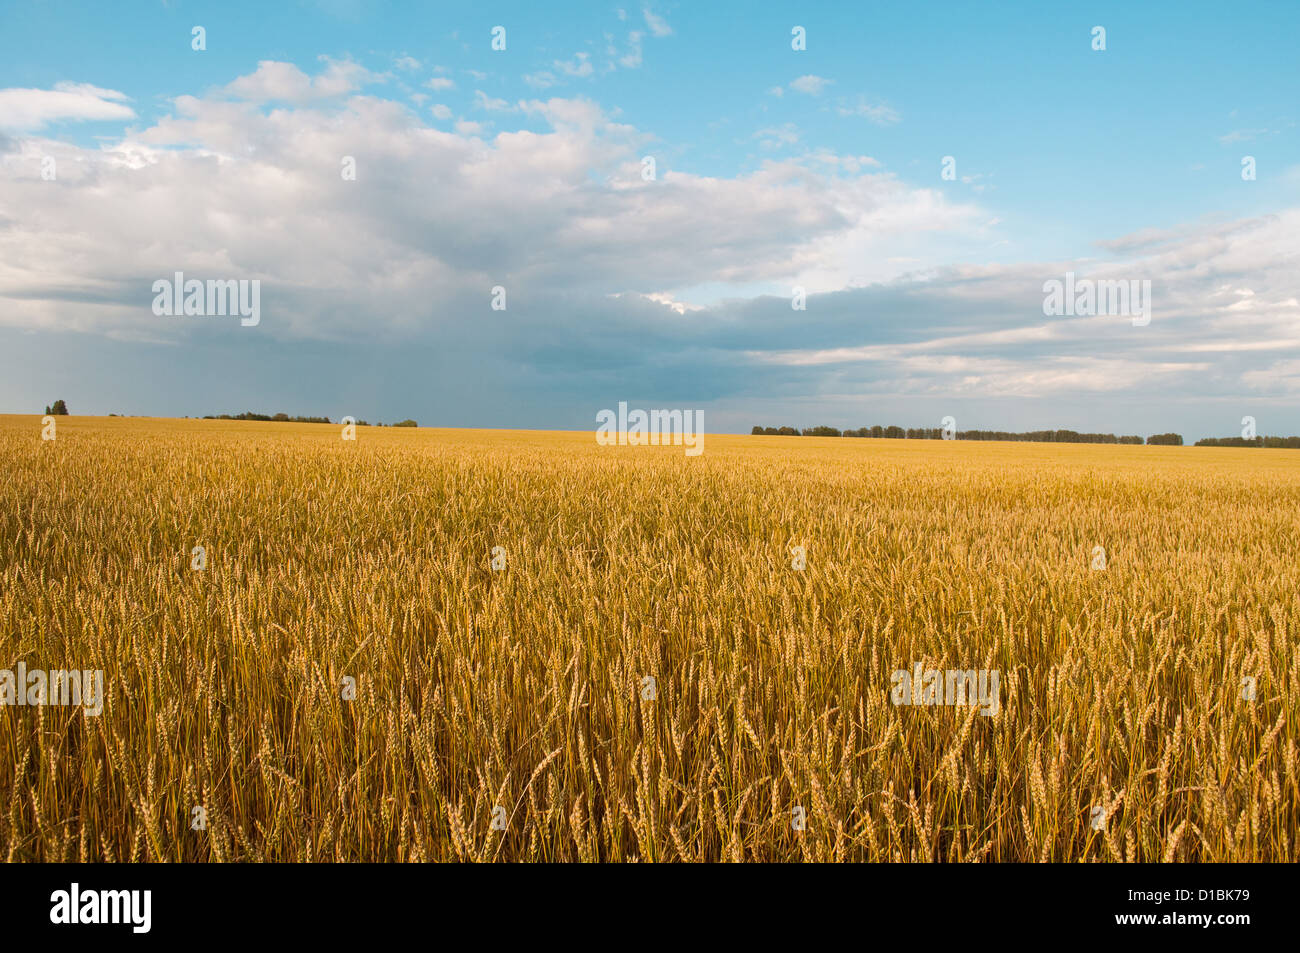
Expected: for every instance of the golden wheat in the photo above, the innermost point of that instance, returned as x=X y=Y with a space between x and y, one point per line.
x=526 y=689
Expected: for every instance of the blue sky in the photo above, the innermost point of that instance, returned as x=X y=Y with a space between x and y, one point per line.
x=774 y=167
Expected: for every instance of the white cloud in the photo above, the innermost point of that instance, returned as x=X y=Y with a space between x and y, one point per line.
x=28 y=109
x=1242 y=135
x=1018 y=352
x=285 y=82
x=439 y=83
x=560 y=213
x=632 y=58
x=483 y=101
x=775 y=137
x=540 y=80
x=564 y=208
x=878 y=113
x=665 y=299
x=579 y=66
x=810 y=84
x=849 y=163
x=657 y=24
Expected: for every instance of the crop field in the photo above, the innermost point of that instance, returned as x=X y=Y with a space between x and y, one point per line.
x=437 y=645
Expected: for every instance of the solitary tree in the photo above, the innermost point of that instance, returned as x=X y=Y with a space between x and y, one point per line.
x=59 y=409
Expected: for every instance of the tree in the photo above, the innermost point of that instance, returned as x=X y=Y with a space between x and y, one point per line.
x=59 y=409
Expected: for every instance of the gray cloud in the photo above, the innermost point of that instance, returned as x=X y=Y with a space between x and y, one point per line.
x=674 y=290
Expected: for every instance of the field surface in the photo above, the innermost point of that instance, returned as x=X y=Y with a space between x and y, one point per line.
x=649 y=677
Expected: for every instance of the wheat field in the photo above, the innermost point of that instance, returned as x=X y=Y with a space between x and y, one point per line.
x=504 y=714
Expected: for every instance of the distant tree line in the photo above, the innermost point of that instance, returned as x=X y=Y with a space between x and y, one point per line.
x=58 y=409
x=286 y=419
x=1285 y=443
x=936 y=433
x=279 y=418
x=1065 y=436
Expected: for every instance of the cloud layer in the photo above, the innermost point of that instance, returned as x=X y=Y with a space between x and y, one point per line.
x=608 y=271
